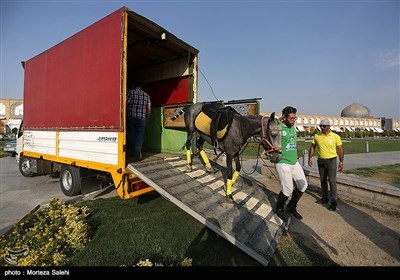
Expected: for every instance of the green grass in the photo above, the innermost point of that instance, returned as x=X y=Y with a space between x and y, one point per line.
x=212 y=250
x=2 y=153
x=350 y=146
x=292 y=251
x=387 y=173
x=150 y=227
x=358 y=146
x=123 y=232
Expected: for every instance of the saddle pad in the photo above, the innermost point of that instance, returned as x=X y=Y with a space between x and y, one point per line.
x=203 y=123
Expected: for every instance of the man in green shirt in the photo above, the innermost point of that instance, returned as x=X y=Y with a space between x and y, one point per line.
x=288 y=167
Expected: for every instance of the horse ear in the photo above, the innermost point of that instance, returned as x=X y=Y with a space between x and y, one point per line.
x=272 y=117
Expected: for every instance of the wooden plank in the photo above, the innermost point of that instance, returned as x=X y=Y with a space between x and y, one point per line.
x=249 y=109
x=169 y=113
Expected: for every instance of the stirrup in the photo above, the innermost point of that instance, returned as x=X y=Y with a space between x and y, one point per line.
x=216 y=146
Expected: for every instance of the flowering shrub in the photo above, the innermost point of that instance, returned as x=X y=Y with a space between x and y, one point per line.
x=144 y=263
x=52 y=235
x=147 y=262
x=187 y=262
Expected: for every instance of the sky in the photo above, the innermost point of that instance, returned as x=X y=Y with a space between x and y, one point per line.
x=318 y=56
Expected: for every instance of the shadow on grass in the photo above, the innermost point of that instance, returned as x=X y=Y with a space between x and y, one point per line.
x=292 y=251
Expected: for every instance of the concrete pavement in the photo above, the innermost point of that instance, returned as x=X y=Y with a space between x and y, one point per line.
x=20 y=195
x=352 y=161
x=370 y=190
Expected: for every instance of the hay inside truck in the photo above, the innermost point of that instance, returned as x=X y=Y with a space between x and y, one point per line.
x=75 y=101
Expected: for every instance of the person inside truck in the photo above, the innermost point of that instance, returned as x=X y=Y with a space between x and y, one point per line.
x=138 y=112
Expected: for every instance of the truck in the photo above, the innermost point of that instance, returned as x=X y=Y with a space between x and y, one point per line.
x=74 y=126
x=74 y=99
x=12 y=126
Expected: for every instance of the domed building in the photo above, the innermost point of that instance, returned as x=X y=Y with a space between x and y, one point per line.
x=355 y=117
x=356 y=110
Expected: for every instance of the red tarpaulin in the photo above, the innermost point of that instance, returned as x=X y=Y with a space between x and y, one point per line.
x=76 y=84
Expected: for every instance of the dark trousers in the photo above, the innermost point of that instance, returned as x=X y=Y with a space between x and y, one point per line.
x=136 y=128
x=327 y=173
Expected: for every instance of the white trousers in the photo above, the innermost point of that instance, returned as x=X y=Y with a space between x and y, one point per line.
x=287 y=173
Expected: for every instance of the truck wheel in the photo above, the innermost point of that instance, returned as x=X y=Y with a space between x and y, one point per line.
x=25 y=164
x=70 y=180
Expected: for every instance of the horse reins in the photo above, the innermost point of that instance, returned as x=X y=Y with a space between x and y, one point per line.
x=265 y=139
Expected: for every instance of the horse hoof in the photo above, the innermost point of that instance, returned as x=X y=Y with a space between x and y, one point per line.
x=188 y=168
x=209 y=170
x=229 y=199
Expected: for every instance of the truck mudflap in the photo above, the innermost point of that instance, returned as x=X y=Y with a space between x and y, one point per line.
x=249 y=224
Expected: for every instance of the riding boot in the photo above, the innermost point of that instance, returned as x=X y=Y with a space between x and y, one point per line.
x=291 y=207
x=279 y=208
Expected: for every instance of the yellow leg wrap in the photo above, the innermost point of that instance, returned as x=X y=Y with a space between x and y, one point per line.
x=204 y=157
x=235 y=176
x=188 y=157
x=228 y=187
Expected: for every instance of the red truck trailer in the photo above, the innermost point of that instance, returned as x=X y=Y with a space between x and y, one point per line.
x=75 y=101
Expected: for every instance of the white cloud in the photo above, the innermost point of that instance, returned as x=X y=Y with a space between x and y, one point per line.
x=388 y=59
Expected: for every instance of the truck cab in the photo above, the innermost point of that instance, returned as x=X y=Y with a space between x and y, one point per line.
x=18 y=142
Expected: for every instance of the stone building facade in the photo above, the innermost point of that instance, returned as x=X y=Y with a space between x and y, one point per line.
x=310 y=122
x=10 y=109
x=354 y=117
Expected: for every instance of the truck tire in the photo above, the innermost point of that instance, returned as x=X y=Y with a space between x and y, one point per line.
x=25 y=164
x=70 y=180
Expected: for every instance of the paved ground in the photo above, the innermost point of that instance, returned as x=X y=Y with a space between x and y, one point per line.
x=365 y=160
x=353 y=235
x=20 y=195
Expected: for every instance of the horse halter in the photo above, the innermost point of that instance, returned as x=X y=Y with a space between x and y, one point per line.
x=265 y=141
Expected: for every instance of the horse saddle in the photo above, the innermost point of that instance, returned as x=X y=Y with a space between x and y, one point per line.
x=214 y=120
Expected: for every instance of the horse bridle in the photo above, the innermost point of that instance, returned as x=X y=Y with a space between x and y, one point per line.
x=265 y=139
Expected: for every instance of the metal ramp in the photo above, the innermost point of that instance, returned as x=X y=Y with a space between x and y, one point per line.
x=249 y=224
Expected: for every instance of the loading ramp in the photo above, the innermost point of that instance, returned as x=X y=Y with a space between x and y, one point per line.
x=250 y=223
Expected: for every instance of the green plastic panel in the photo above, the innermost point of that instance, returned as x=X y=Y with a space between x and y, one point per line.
x=160 y=139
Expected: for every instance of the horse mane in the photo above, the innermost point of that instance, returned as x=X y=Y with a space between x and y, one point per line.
x=250 y=125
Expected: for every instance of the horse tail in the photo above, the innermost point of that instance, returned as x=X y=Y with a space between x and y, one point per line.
x=179 y=112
